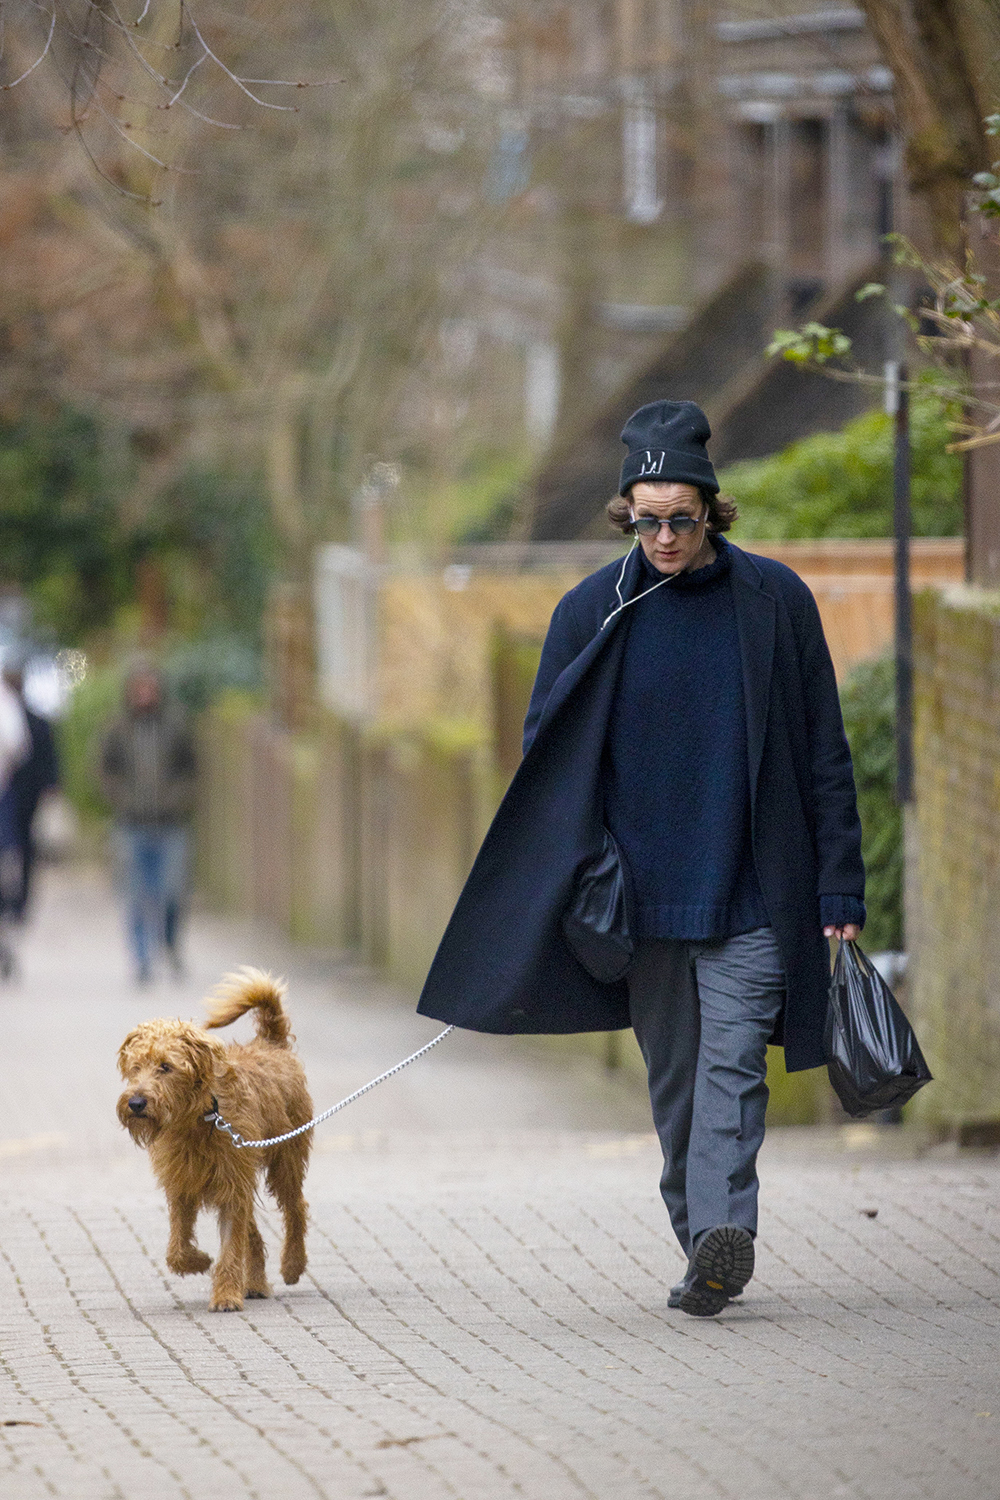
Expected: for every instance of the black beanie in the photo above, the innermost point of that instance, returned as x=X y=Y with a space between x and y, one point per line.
x=666 y=441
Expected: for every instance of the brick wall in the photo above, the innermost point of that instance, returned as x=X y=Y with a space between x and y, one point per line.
x=953 y=895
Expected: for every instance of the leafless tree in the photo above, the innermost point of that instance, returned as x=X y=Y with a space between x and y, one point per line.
x=945 y=59
x=239 y=279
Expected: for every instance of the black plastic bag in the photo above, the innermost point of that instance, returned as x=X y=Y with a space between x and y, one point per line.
x=871 y=1052
x=598 y=924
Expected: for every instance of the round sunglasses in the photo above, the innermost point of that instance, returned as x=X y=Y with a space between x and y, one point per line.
x=650 y=525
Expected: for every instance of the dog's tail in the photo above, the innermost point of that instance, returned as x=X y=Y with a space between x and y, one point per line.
x=251 y=989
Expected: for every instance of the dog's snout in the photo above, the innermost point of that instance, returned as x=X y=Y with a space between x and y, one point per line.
x=137 y=1104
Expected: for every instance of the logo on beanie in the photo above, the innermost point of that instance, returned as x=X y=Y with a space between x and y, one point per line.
x=651 y=465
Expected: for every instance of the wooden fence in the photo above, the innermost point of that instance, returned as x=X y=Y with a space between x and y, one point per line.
x=353 y=839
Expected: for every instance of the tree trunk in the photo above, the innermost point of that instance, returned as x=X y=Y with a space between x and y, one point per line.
x=945 y=57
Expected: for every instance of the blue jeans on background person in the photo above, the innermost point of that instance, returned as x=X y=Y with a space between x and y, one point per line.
x=152 y=865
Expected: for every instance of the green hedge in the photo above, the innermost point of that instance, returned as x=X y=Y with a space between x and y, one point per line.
x=868 y=699
x=839 y=484
x=93 y=704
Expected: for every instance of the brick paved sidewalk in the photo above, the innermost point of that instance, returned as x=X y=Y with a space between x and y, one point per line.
x=485 y=1311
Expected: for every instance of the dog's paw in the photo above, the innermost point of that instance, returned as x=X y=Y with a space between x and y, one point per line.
x=292 y=1267
x=226 y=1302
x=263 y=1290
x=190 y=1262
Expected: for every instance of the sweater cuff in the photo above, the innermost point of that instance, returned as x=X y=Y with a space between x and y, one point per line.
x=835 y=911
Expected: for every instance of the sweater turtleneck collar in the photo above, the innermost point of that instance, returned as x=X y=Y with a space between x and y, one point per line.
x=697 y=579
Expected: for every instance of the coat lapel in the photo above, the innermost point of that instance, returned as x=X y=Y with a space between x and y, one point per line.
x=568 y=680
x=755 y=622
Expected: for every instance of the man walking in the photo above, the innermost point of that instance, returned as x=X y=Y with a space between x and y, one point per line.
x=686 y=704
x=147 y=770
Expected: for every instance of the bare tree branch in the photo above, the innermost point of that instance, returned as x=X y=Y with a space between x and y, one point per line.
x=38 y=60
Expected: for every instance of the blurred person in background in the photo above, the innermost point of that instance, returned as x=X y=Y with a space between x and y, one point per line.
x=15 y=749
x=35 y=774
x=147 y=772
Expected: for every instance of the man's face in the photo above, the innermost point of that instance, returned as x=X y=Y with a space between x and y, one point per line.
x=144 y=692
x=667 y=552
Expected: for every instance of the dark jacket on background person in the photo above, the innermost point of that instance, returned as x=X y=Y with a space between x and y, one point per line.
x=502 y=965
x=37 y=773
x=147 y=766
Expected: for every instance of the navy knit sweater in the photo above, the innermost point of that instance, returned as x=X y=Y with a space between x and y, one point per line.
x=675 y=769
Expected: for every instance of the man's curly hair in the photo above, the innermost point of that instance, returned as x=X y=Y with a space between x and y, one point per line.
x=722 y=511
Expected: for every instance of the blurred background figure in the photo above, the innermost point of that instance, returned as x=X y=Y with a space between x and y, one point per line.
x=15 y=751
x=34 y=774
x=147 y=772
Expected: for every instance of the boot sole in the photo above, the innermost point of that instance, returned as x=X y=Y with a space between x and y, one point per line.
x=723 y=1264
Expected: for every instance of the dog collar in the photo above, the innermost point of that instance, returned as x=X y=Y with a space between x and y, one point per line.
x=213 y=1114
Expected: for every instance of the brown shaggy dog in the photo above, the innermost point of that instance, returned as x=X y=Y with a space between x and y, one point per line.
x=174 y=1075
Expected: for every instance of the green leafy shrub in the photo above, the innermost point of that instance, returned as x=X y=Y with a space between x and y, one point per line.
x=868 y=700
x=482 y=503
x=839 y=484
x=60 y=538
x=92 y=705
x=74 y=546
x=200 y=669
x=214 y=534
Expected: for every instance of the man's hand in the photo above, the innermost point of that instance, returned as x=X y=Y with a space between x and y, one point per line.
x=850 y=932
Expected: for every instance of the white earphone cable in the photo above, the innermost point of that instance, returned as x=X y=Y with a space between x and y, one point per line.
x=624 y=603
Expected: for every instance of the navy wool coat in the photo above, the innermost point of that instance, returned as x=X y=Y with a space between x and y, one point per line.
x=502 y=965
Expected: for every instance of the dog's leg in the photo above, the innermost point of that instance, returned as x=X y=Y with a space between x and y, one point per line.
x=284 y=1178
x=183 y=1256
x=230 y=1279
x=257 y=1283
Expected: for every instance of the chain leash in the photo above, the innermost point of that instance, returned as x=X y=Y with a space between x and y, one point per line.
x=214 y=1118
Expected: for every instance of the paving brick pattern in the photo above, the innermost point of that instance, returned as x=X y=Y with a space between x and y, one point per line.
x=484 y=1314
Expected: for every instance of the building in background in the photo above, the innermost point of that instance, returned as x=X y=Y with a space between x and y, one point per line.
x=563 y=204
x=683 y=178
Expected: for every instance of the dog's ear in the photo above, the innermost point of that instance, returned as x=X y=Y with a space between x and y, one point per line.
x=125 y=1051
x=199 y=1052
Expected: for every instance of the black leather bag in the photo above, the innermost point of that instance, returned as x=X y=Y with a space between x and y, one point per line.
x=872 y=1055
x=599 y=922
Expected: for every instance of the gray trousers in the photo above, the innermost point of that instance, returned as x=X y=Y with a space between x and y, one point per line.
x=703 y=1013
